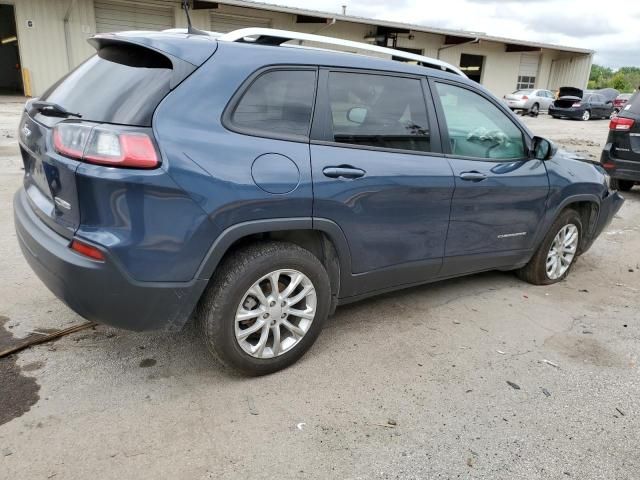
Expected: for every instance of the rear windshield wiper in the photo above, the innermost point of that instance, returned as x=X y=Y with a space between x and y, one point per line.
x=53 y=109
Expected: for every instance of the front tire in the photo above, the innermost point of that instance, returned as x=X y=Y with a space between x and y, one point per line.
x=557 y=253
x=265 y=307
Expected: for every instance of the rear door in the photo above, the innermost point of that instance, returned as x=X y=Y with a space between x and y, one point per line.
x=378 y=174
x=500 y=193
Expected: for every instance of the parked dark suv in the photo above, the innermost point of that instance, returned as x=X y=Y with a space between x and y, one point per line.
x=621 y=154
x=256 y=187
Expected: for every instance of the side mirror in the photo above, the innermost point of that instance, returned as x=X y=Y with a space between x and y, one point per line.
x=357 y=115
x=543 y=149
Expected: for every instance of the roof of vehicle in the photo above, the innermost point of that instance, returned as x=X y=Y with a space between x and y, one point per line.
x=291 y=54
x=196 y=49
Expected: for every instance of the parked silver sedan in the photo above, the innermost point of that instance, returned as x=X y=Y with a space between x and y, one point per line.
x=529 y=101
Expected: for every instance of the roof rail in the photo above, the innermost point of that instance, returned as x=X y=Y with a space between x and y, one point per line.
x=271 y=36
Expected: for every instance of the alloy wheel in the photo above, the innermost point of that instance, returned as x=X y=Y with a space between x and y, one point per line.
x=275 y=313
x=586 y=115
x=562 y=252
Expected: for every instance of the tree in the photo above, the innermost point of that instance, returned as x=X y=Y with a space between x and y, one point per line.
x=625 y=79
x=620 y=82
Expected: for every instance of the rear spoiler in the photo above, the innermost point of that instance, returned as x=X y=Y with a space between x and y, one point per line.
x=185 y=52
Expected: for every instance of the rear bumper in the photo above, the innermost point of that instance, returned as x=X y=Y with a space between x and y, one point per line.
x=620 y=168
x=608 y=208
x=566 y=112
x=100 y=291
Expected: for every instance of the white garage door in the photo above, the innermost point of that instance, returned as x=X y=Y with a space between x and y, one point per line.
x=528 y=70
x=116 y=17
x=224 y=23
x=529 y=64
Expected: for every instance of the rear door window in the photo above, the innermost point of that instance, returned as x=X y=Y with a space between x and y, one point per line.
x=278 y=102
x=121 y=84
x=477 y=128
x=378 y=111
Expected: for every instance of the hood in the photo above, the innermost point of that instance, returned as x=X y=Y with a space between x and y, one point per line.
x=570 y=92
x=565 y=154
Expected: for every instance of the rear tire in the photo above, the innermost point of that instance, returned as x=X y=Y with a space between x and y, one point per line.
x=536 y=271
x=230 y=298
x=534 y=110
x=586 y=115
x=622 y=185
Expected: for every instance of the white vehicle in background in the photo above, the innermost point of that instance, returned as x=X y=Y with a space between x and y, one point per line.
x=529 y=100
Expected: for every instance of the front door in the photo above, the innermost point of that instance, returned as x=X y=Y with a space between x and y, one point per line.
x=500 y=193
x=376 y=174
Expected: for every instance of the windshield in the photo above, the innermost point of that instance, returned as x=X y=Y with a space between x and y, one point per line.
x=121 y=84
x=522 y=92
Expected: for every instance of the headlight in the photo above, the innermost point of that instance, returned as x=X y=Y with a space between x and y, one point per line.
x=607 y=181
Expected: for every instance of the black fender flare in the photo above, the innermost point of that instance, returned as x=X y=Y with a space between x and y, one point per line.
x=238 y=231
x=553 y=214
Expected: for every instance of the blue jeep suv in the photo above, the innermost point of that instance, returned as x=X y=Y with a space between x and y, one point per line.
x=255 y=186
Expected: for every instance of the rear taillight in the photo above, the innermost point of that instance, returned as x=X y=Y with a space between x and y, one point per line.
x=524 y=97
x=621 y=124
x=576 y=105
x=105 y=146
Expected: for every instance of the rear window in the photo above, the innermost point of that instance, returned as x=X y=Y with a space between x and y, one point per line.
x=121 y=84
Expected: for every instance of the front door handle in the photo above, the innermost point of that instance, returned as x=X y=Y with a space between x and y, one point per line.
x=473 y=176
x=344 y=171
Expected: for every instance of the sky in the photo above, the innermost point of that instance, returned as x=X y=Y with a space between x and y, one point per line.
x=614 y=33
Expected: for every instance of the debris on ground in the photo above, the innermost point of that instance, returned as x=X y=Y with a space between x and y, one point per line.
x=252 y=406
x=546 y=392
x=29 y=342
x=620 y=411
x=549 y=362
x=515 y=386
x=392 y=422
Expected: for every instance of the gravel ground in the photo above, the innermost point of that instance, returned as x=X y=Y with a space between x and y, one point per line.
x=479 y=377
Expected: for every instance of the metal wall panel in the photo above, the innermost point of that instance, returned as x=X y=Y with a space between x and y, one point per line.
x=570 y=72
x=224 y=23
x=52 y=38
x=117 y=16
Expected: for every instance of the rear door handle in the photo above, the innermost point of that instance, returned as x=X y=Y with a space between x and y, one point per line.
x=473 y=176
x=344 y=171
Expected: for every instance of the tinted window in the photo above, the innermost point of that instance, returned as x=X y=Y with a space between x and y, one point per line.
x=378 y=111
x=477 y=128
x=122 y=84
x=586 y=98
x=279 y=101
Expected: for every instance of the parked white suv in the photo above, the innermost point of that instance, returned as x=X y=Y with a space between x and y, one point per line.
x=529 y=101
